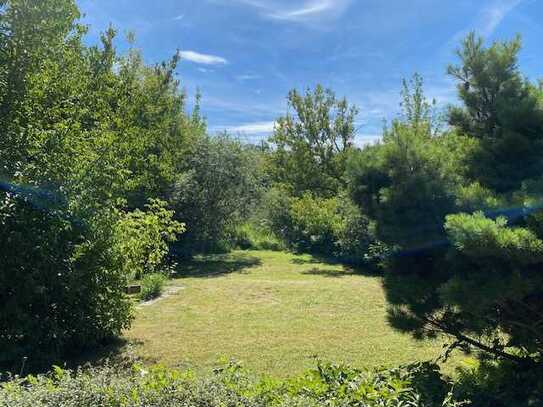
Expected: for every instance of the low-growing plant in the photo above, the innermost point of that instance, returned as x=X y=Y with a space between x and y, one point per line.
x=256 y=237
x=231 y=385
x=152 y=286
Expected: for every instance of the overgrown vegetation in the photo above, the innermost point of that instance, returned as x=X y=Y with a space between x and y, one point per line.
x=152 y=286
x=142 y=239
x=220 y=185
x=106 y=177
x=231 y=385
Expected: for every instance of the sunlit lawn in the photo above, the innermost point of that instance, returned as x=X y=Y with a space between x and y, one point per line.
x=274 y=312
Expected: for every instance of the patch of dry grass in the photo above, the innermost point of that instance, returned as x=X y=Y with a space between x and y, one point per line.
x=274 y=312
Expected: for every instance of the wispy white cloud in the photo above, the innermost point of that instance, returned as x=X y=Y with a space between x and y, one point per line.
x=179 y=17
x=203 y=59
x=271 y=108
x=259 y=128
x=247 y=77
x=298 y=10
x=313 y=9
x=492 y=16
x=487 y=21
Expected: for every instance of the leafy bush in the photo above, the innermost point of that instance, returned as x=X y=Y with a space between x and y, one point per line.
x=257 y=237
x=327 y=226
x=493 y=384
x=214 y=193
x=62 y=284
x=230 y=385
x=356 y=237
x=157 y=387
x=143 y=237
x=314 y=224
x=152 y=286
x=419 y=384
x=275 y=211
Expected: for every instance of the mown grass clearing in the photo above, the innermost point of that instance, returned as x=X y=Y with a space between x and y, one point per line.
x=275 y=312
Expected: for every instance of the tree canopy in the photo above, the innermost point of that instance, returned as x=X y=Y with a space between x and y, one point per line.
x=311 y=143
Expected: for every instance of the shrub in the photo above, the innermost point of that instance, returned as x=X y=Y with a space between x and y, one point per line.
x=305 y=223
x=62 y=285
x=152 y=286
x=314 y=224
x=492 y=384
x=231 y=385
x=275 y=211
x=143 y=237
x=328 y=226
x=257 y=237
x=214 y=193
x=156 y=387
x=356 y=237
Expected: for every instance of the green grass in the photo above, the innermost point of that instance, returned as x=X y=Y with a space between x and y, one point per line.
x=274 y=312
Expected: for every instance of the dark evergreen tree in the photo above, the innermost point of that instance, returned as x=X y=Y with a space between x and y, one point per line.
x=474 y=276
x=502 y=110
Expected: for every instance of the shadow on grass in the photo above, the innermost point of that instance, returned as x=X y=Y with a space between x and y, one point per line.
x=216 y=265
x=347 y=269
x=311 y=260
x=114 y=352
x=328 y=272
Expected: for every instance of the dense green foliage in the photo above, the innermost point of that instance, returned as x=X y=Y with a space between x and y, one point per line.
x=87 y=136
x=500 y=384
x=328 y=226
x=472 y=275
x=306 y=206
x=406 y=182
x=105 y=177
x=61 y=282
x=102 y=168
x=257 y=235
x=220 y=184
x=311 y=145
x=231 y=385
x=142 y=239
x=152 y=286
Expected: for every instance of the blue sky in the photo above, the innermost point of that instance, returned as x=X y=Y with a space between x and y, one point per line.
x=245 y=55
